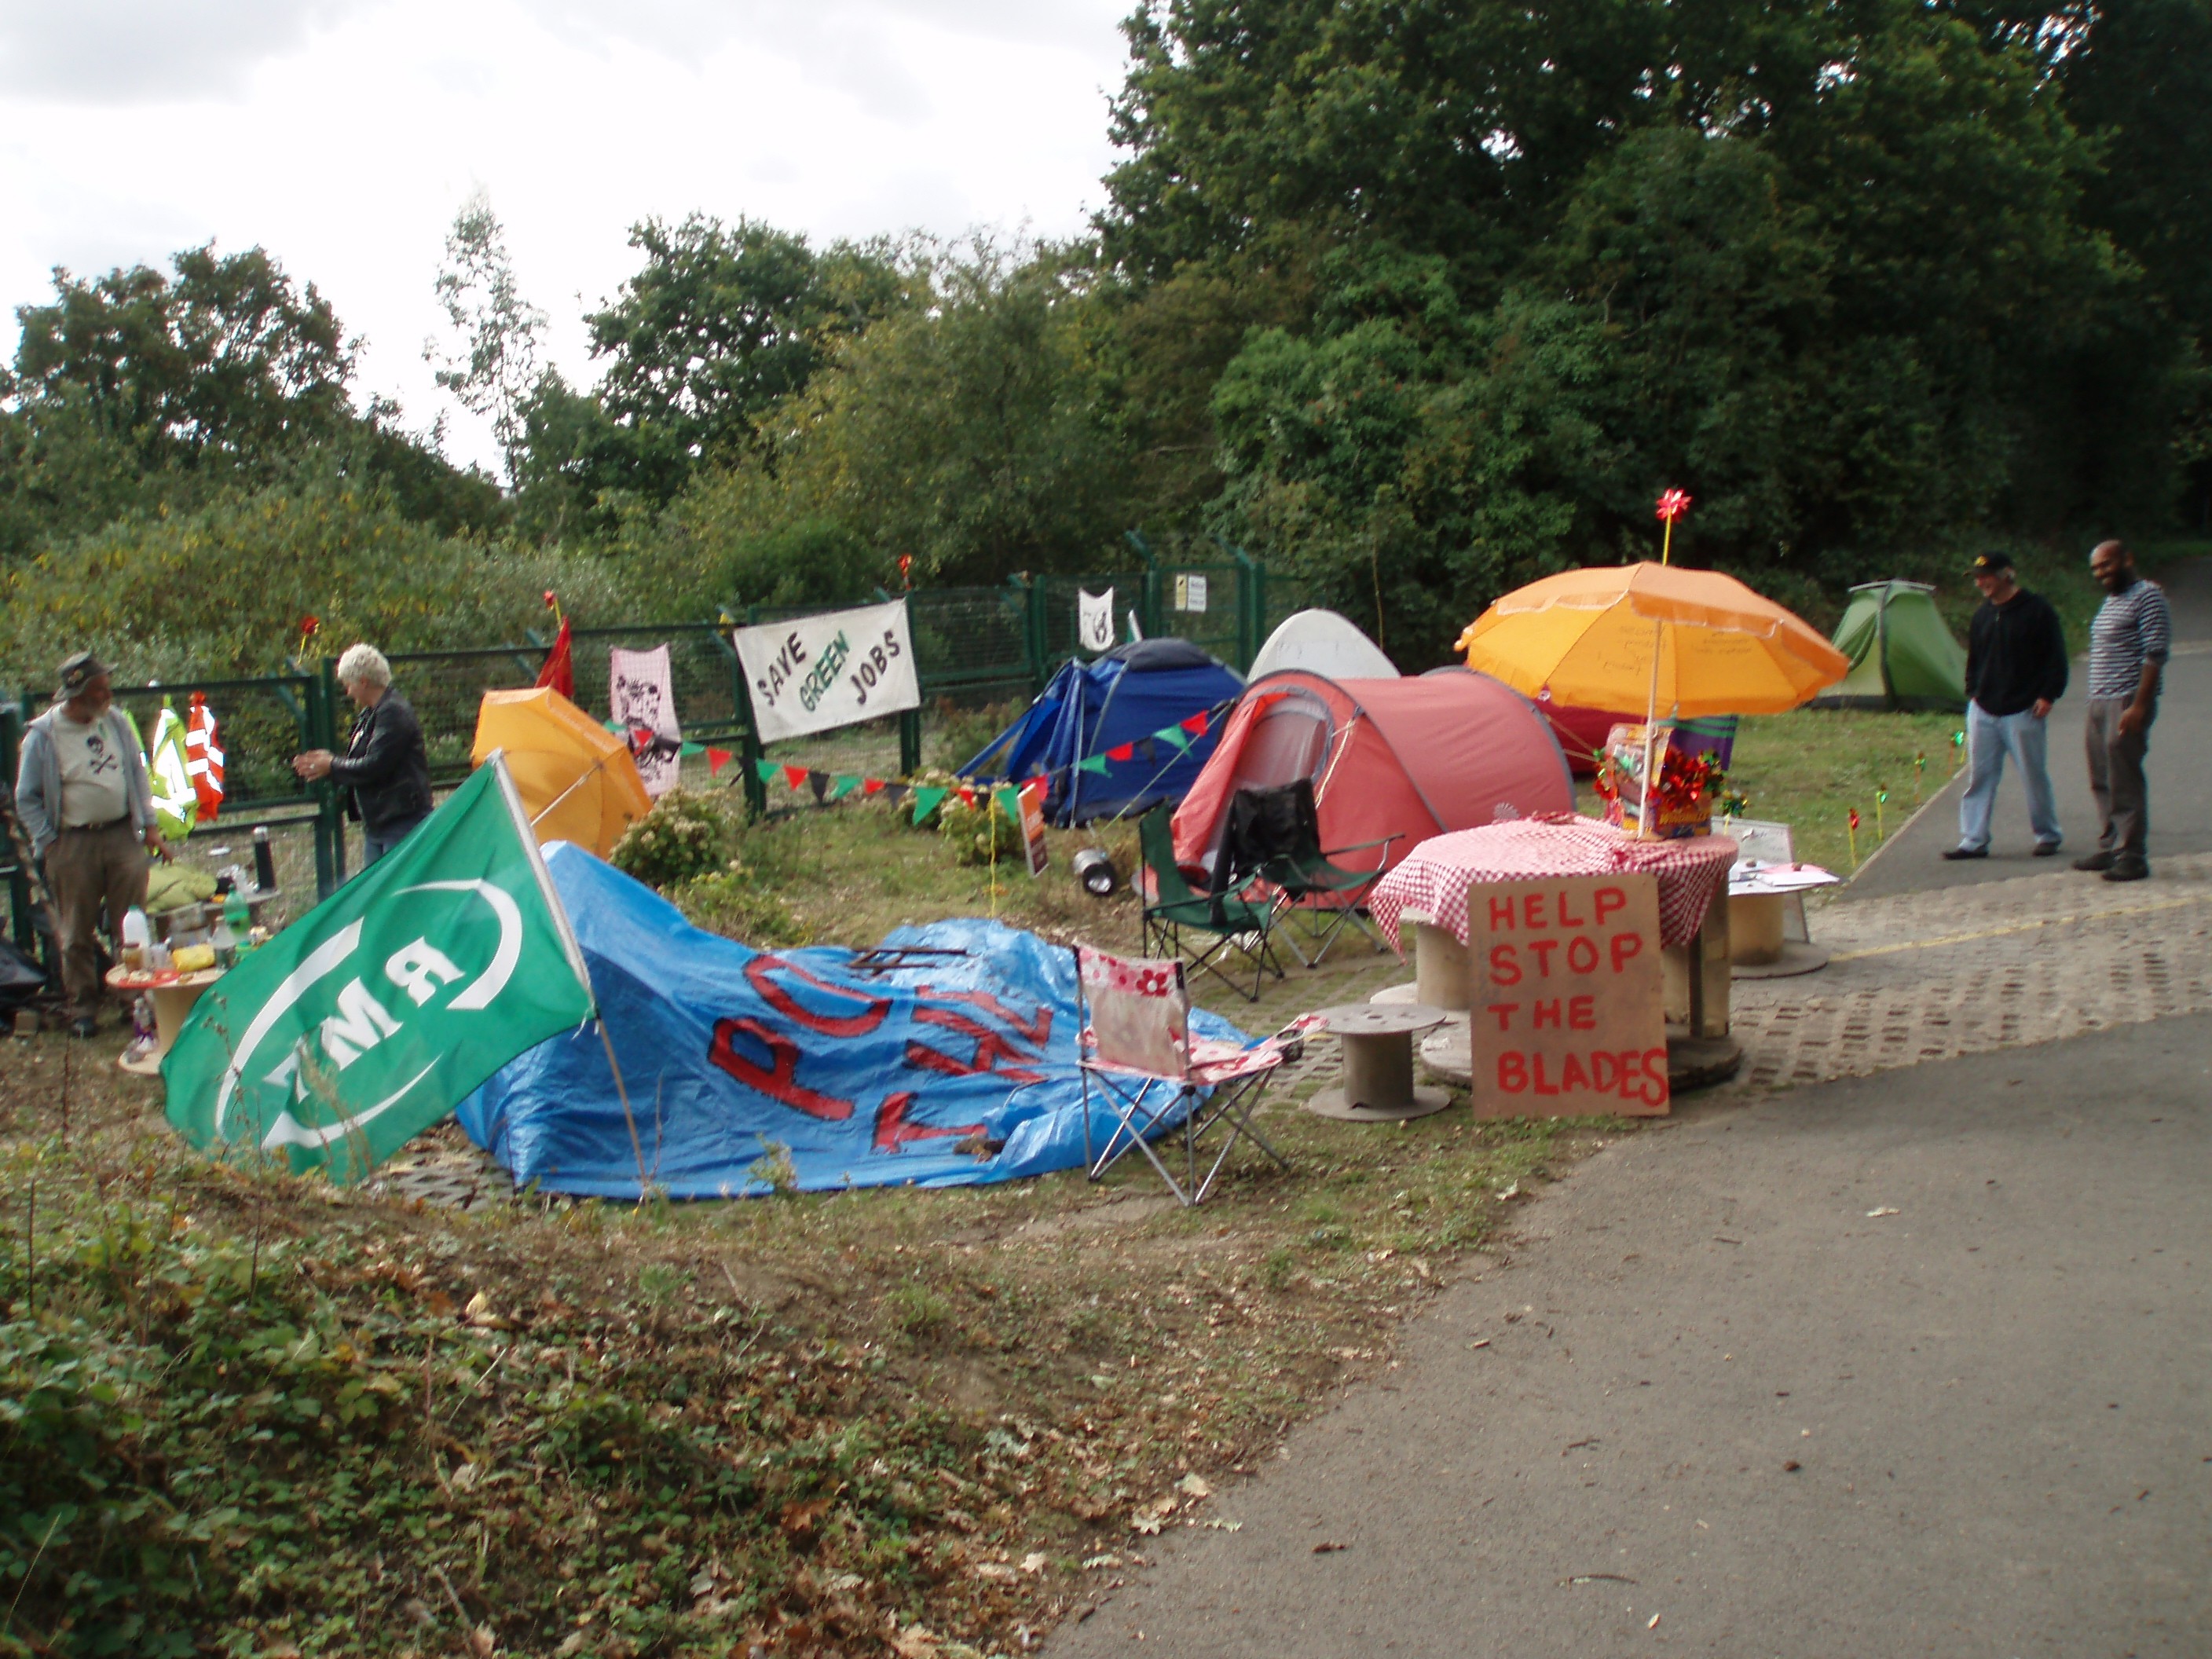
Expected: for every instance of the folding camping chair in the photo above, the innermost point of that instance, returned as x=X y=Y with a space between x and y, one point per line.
x=1232 y=920
x=1160 y=1083
x=1274 y=834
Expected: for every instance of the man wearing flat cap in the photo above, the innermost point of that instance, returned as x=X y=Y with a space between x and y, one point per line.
x=82 y=792
x=2015 y=671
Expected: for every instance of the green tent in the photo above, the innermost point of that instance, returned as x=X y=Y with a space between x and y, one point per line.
x=1902 y=655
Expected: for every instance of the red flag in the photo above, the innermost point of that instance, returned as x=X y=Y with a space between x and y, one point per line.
x=1123 y=752
x=1196 y=724
x=717 y=759
x=560 y=669
x=870 y=786
x=795 y=776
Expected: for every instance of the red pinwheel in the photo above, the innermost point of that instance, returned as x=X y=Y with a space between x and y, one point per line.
x=1672 y=506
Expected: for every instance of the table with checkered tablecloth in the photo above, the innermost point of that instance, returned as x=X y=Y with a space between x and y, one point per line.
x=1435 y=877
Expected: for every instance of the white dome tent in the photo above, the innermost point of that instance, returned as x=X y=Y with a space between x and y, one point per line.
x=1324 y=643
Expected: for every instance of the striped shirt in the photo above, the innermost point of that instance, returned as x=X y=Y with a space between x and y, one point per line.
x=2132 y=628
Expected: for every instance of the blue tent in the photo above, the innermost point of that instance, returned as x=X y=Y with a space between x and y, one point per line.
x=743 y=1065
x=1125 y=696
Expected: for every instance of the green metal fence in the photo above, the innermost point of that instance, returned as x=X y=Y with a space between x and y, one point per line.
x=980 y=653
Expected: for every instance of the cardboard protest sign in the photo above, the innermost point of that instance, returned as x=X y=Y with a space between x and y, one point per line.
x=1569 y=1008
x=816 y=673
x=641 y=699
x=1032 y=803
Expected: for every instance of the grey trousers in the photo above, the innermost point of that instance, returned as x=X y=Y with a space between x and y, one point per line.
x=95 y=875
x=2116 y=778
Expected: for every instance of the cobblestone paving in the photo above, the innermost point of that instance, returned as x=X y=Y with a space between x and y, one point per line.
x=1967 y=970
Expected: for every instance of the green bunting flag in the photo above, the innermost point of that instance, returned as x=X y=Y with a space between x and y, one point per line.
x=842 y=786
x=926 y=799
x=1092 y=763
x=768 y=769
x=1008 y=801
x=376 y=1013
x=1174 y=734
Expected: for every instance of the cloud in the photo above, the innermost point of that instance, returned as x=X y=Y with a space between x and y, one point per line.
x=124 y=51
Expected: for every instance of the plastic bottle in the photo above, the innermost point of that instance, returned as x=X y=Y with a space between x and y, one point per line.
x=137 y=936
x=224 y=941
x=238 y=922
x=265 y=860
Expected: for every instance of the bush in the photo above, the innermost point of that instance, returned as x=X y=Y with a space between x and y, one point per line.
x=684 y=836
x=962 y=732
x=933 y=777
x=981 y=834
x=734 y=904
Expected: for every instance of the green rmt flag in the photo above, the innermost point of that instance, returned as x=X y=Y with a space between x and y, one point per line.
x=373 y=1016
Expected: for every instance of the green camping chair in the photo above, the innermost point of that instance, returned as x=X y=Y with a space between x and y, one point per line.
x=1230 y=920
x=1275 y=832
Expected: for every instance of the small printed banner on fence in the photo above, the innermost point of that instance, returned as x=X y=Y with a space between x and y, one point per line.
x=817 y=673
x=1094 y=620
x=642 y=697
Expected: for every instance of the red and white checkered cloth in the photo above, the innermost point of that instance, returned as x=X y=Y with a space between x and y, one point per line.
x=1435 y=877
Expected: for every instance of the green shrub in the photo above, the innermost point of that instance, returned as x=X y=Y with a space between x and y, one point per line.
x=962 y=732
x=732 y=903
x=981 y=834
x=684 y=837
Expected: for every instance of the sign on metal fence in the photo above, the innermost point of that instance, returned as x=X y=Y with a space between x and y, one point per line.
x=1094 y=620
x=816 y=673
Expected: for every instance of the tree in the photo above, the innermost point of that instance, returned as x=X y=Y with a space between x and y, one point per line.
x=495 y=369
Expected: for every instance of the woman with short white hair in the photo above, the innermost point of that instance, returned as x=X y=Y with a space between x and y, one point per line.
x=385 y=770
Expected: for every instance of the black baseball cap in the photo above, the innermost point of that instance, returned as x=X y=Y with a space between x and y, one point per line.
x=1988 y=564
x=79 y=671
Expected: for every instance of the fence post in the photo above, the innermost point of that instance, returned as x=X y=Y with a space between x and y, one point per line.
x=1252 y=606
x=910 y=719
x=750 y=751
x=330 y=816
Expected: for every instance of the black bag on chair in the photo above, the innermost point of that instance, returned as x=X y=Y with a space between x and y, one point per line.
x=1279 y=822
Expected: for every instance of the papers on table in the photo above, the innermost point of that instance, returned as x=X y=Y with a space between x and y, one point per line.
x=1753 y=875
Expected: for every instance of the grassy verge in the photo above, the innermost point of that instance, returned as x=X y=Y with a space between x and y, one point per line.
x=241 y=1413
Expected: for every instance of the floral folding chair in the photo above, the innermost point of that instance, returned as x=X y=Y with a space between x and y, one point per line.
x=1162 y=1084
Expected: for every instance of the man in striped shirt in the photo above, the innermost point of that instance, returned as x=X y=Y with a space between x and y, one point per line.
x=2128 y=646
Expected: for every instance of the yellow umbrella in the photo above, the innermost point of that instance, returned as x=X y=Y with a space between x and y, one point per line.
x=576 y=779
x=1682 y=643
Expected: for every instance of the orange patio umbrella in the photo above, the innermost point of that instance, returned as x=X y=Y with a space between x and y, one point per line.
x=1681 y=643
x=576 y=779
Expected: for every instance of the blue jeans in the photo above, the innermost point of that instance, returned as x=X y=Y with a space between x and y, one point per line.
x=374 y=847
x=1989 y=737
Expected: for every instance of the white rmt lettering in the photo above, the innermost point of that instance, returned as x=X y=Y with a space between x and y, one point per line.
x=360 y=1023
x=413 y=968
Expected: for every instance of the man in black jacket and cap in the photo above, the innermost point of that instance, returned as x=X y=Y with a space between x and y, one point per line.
x=2015 y=670
x=385 y=770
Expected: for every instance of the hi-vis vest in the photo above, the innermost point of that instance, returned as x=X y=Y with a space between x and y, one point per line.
x=176 y=802
x=204 y=757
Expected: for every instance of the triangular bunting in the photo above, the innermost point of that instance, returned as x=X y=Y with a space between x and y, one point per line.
x=767 y=770
x=967 y=796
x=819 y=783
x=1196 y=724
x=925 y=801
x=871 y=786
x=691 y=749
x=894 y=791
x=1092 y=763
x=843 y=786
x=1120 y=752
x=1173 y=734
x=716 y=760
x=1149 y=750
x=1008 y=801
x=796 y=777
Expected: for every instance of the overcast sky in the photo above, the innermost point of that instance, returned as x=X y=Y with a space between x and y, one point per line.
x=343 y=135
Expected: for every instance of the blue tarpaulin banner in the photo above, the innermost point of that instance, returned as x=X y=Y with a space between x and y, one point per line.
x=957 y=1070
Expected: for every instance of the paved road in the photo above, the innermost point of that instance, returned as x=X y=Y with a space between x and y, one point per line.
x=2180 y=794
x=1994 y=1399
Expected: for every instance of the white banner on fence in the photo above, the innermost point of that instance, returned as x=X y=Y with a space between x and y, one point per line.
x=1094 y=620
x=641 y=700
x=816 y=673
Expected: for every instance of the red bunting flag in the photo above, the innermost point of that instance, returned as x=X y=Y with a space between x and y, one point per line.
x=871 y=786
x=717 y=759
x=1196 y=724
x=795 y=776
x=1121 y=752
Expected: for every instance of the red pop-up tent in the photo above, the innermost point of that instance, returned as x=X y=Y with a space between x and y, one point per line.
x=1410 y=757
